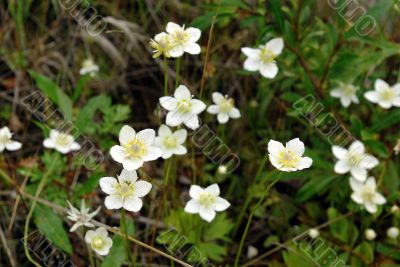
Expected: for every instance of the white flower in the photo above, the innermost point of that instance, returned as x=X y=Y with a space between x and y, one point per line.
x=135 y=149
x=81 y=217
x=288 y=158
x=62 y=142
x=161 y=45
x=182 y=108
x=346 y=93
x=313 y=233
x=354 y=160
x=370 y=234
x=205 y=202
x=171 y=143
x=6 y=142
x=224 y=107
x=365 y=194
x=394 y=209
x=222 y=169
x=99 y=240
x=251 y=252
x=262 y=59
x=183 y=40
x=89 y=67
x=393 y=232
x=384 y=95
x=126 y=192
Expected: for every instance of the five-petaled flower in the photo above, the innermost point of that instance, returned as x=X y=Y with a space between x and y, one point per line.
x=366 y=194
x=81 y=217
x=89 y=67
x=182 y=108
x=62 y=142
x=354 y=160
x=347 y=93
x=135 y=149
x=161 y=45
x=171 y=143
x=183 y=40
x=289 y=158
x=205 y=202
x=6 y=142
x=224 y=107
x=262 y=59
x=99 y=241
x=126 y=192
x=384 y=95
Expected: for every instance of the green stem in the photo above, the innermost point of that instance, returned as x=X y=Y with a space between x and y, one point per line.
x=178 y=68
x=125 y=231
x=165 y=76
x=266 y=193
x=42 y=184
x=167 y=170
x=89 y=250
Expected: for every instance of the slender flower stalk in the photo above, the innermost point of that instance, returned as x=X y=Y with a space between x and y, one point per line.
x=165 y=76
x=177 y=71
x=125 y=232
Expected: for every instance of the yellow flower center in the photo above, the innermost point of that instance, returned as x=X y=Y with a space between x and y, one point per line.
x=98 y=242
x=135 y=148
x=180 y=37
x=170 y=142
x=288 y=159
x=348 y=90
x=354 y=158
x=184 y=106
x=125 y=189
x=388 y=94
x=368 y=194
x=63 y=139
x=206 y=199
x=226 y=105
x=267 y=56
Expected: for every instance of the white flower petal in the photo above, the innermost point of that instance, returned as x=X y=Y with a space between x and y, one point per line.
x=275 y=147
x=251 y=52
x=142 y=188
x=180 y=136
x=174 y=118
x=234 y=113
x=113 y=202
x=336 y=92
x=195 y=191
x=197 y=106
x=127 y=176
x=192 y=48
x=194 y=34
x=207 y=214
x=213 y=189
x=192 y=122
x=164 y=130
x=223 y=117
x=372 y=96
x=345 y=101
x=379 y=199
x=126 y=134
x=192 y=206
x=180 y=150
x=220 y=204
x=173 y=27
x=381 y=85
x=213 y=109
x=356 y=197
x=75 y=146
x=371 y=182
x=370 y=207
x=217 y=97
x=356 y=185
x=182 y=92
x=118 y=153
x=368 y=162
x=339 y=152
x=133 y=204
x=13 y=145
x=304 y=163
x=49 y=143
x=269 y=70
x=342 y=167
x=132 y=164
x=359 y=173
x=108 y=184
x=386 y=104
x=357 y=147
x=146 y=136
x=177 y=51
x=296 y=146
x=152 y=153
x=252 y=64
x=168 y=102
x=275 y=45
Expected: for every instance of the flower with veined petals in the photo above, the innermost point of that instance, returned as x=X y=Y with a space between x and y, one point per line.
x=126 y=192
x=224 y=107
x=99 y=241
x=183 y=40
x=62 y=142
x=365 y=194
x=170 y=142
x=135 y=149
x=205 y=202
x=346 y=93
x=89 y=67
x=81 y=217
x=262 y=59
x=289 y=158
x=182 y=108
x=354 y=160
x=384 y=95
x=161 y=45
x=6 y=142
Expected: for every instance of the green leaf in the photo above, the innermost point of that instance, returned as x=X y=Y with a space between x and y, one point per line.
x=51 y=226
x=366 y=250
x=315 y=185
x=275 y=6
x=377 y=148
x=392 y=179
x=343 y=229
x=87 y=112
x=386 y=121
x=54 y=93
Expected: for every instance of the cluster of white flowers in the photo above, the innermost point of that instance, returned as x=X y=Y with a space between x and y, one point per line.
x=89 y=68
x=176 y=41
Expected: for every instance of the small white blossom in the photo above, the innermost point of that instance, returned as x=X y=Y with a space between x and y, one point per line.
x=182 y=108
x=365 y=194
x=62 y=142
x=89 y=67
x=370 y=234
x=206 y=202
x=81 y=217
x=224 y=107
x=347 y=93
x=354 y=160
x=135 y=149
x=99 y=241
x=262 y=59
x=183 y=40
x=222 y=169
x=313 y=233
x=395 y=209
x=384 y=95
x=289 y=158
x=6 y=142
x=161 y=45
x=126 y=192
x=171 y=143
x=252 y=252
x=392 y=232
